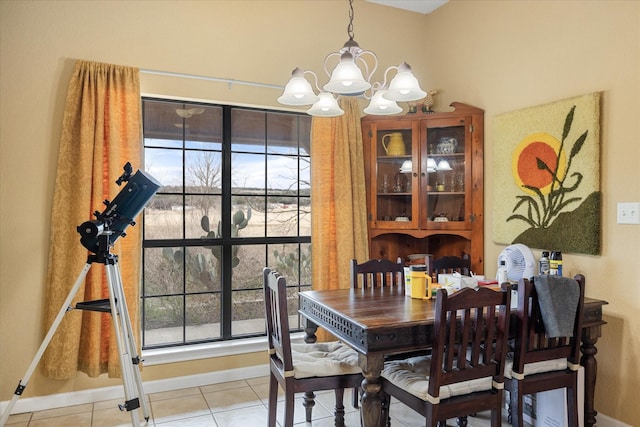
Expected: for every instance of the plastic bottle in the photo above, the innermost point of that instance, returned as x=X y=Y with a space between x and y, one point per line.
x=502 y=272
x=543 y=265
x=555 y=263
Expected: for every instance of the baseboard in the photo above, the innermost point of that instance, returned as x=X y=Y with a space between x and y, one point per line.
x=605 y=421
x=31 y=404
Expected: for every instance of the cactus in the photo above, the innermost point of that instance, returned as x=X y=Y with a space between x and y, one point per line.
x=238 y=221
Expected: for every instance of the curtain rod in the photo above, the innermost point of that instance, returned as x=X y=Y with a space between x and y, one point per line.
x=213 y=79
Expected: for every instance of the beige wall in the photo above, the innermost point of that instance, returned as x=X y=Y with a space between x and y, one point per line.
x=497 y=55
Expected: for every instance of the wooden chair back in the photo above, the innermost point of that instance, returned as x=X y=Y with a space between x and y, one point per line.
x=470 y=337
x=377 y=272
x=451 y=264
x=278 y=335
x=532 y=343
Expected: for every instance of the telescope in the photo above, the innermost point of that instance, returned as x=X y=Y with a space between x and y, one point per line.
x=121 y=212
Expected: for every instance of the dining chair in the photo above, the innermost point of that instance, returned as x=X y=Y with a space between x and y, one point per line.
x=302 y=368
x=450 y=264
x=464 y=373
x=546 y=354
x=377 y=272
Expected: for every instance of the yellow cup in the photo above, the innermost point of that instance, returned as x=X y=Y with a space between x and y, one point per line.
x=421 y=286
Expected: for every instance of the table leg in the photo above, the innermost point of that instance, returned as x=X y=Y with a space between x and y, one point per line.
x=371 y=404
x=589 y=338
x=310 y=330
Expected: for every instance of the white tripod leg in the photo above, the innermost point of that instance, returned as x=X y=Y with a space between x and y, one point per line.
x=126 y=367
x=66 y=306
x=130 y=340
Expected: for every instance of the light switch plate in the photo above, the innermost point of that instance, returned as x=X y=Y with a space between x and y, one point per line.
x=629 y=213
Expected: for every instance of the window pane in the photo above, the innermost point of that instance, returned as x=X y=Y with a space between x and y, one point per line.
x=202 y=126
x=204 y=172
x=248 y=129
x=282 y=135
x=163 y=218
x=202 y=215
x=282 y=216
x=247 y=219
x=248 y=312
x=249 y=260
x=163 y=271
x=247 y=173
x=282 y=173
x=166 y=166
x=203 y=269
x=163 y=322
x=203 y=317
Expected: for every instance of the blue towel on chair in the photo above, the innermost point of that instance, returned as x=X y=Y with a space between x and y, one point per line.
x=558 y=298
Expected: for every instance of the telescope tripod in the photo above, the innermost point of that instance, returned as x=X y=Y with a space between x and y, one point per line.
x=116 y=305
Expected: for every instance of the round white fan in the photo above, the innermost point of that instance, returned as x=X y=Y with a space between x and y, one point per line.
x=519 y=261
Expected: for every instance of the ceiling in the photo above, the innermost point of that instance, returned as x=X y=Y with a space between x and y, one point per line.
x=421 y=6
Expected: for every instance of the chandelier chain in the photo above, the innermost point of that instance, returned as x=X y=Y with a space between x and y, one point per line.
x=350 y=26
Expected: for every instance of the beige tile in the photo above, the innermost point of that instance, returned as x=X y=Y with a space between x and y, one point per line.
x=223 y=386
x=201 y=421
x=350 y=420
x=19 y=418
x=172 y=394
x=179 y=408
x=116 y=418
x=225 y=400
x=244 y=417
x=262 y=390
x=113 y=404
x=328 y=400
x=317 y=413
x=75 y=420
x=67 y=410
x=258 y=380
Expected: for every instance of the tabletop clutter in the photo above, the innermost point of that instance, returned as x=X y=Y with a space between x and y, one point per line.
x=419 y=284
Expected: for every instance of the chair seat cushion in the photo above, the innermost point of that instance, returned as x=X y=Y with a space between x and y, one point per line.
x=412 y=375
x=323 y=360
x=536 y=367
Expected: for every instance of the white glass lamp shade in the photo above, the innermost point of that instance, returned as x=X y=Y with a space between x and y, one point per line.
x=404 y=86
x=444 y=165
x=407 y=166
x=382 y=107
x=346 y=78
x=431 y=165
x=298 y=90
x=326 y=106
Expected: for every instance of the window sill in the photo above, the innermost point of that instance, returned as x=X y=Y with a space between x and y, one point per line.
x=206 y=351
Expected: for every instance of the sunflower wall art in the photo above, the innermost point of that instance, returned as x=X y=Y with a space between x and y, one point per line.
x=546 y=176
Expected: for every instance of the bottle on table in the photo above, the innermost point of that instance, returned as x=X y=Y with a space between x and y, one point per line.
x=543 y=264
x=555 y=263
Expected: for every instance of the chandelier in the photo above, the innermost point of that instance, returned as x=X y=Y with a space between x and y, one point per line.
x=348 y=79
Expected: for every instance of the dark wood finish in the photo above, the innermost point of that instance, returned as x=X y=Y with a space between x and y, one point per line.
x=464 y=322
x=450 y=264
x=379 y=321
x=532 y=345
x=376 y=272
x=464 y=232
x=281 y=360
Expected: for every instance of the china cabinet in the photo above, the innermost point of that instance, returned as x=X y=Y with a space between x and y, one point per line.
x=424 y=178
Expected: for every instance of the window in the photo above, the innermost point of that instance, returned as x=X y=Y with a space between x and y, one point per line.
x=235 y=197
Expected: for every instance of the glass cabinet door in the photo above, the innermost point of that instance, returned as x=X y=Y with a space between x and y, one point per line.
x=446 y=176
x=394 y=175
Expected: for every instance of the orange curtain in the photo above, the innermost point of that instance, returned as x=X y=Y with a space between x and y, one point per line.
x=101 y=131
x=338 y=198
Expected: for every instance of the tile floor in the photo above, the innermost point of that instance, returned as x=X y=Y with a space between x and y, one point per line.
x=232 y=404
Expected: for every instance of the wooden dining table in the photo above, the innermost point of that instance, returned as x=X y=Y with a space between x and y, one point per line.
x=377 y=322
